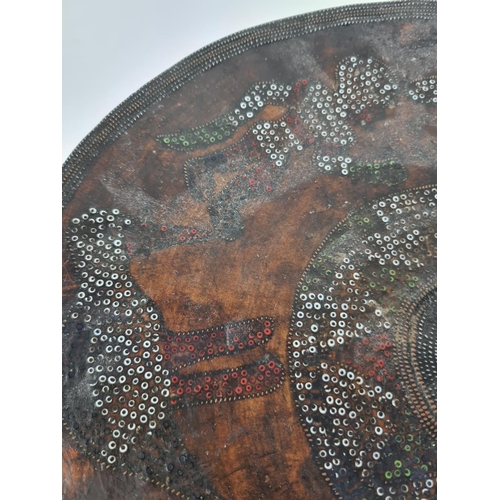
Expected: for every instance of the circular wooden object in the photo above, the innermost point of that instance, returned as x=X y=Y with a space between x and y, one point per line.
x=250 y=270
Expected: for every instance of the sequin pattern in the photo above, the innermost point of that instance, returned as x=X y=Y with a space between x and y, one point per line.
x=364 y=388
x=122 y=367
x=424 y=91
x=319 y=120
x=362 y=350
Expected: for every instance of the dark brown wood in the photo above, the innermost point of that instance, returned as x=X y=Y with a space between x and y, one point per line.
x=250 y=267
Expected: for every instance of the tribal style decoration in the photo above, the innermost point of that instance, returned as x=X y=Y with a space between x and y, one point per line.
x=202 y=228
x=424 y=91
x=319 y=119
x=362 y=350
x=123 y=367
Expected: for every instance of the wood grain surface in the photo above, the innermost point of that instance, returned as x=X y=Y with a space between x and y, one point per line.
x=253 y=448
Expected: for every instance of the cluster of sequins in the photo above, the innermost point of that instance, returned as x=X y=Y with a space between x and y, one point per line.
x=228 y=385
x=257 y=162
x=342 y=346
x=424 y=91
x=364 y=88
x=276 y=139
x=224 y=126
x=124 y=366
x=364 y=85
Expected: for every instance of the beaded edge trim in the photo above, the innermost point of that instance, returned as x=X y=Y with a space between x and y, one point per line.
x=85 y=155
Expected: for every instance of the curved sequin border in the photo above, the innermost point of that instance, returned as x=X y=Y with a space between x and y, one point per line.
x=315 y=254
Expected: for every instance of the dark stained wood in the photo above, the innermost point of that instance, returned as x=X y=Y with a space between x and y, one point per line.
x=252 y=448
